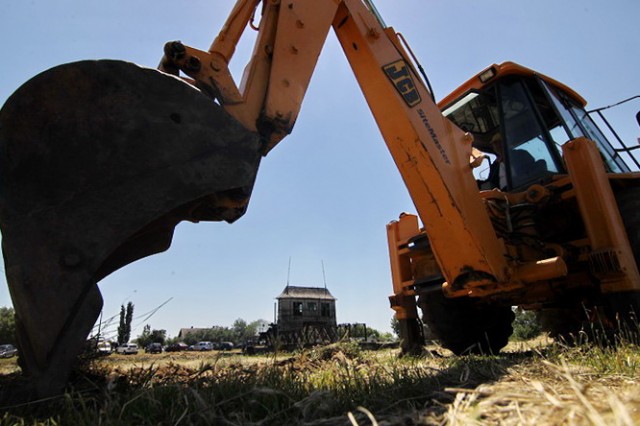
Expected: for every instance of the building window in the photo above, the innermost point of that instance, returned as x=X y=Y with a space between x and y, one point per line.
x=297 y=309
x=325 y=311
x=312 y=306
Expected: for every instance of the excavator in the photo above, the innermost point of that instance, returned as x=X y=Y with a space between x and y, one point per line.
x=520 y=199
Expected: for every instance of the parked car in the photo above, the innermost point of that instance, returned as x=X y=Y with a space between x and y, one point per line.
x=104 y=348
x=7 y=351
x=203 y=346
x=153 y=348
x=177 y=347
x=127 y=349
x=225 y=346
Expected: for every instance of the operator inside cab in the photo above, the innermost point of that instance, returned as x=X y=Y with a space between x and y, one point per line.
x=519 y=120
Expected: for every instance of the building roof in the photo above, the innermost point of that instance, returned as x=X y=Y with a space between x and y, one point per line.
x=291 y=292
x=185 y=331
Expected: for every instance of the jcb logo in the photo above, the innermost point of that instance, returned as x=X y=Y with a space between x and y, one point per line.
x=399 y=74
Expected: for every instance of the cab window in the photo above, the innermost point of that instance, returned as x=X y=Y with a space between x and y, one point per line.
x=526 y=141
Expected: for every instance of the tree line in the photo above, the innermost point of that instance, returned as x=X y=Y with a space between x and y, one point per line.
x=240 y=331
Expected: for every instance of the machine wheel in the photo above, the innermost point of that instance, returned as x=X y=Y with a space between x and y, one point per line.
x=629 y=204
x=465 y=327
x=621 y=309
x=564 y=323
x=624 y=307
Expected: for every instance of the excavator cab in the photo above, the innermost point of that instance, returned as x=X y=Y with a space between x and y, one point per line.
x=521 y=119
x=554 y=187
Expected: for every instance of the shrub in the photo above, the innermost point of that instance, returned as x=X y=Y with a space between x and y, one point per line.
x=526 y=325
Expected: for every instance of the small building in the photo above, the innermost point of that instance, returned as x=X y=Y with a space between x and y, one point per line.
x=305 y=310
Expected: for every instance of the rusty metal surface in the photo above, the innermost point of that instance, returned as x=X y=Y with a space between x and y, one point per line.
x=99 y=160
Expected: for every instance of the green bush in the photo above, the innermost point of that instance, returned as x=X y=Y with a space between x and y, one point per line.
x=526 y=325
x=7 y=326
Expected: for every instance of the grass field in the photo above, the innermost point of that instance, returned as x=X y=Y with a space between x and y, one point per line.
x=535 y=383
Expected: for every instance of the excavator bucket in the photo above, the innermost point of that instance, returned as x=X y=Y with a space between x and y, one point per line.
x=99 y=161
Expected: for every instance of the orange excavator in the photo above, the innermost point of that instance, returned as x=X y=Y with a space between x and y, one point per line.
x=521 y=199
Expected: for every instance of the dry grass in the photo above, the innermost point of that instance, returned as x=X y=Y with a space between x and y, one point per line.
x=8 y=366
x=535 y=383
x=545 y=393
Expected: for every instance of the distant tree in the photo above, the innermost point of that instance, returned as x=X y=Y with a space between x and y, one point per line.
x=127 y=321
x=260 y=325
x=243 y=332
x=7 y=325
x=214 y=334
x=173 y=340
x=190 y=339
x=395 y=326
x=373 y=334
x=159 y=336
x=239 y=329
x=387 y=337
x=122 y=327
x=252 y=330
x=221 y=334
x=240 y=332
x=195 y=337
x=145 y=337
x=526 y=325
x=361 y=331
x=151 y=336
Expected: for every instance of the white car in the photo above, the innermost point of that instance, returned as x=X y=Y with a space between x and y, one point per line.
x=103 y=348
x=203 y=346
x=127 y=349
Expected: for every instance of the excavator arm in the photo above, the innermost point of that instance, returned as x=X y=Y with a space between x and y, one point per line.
x=431 y=153
x=121 y=154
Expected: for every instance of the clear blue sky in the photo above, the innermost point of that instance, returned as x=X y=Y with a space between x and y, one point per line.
x=327 y=191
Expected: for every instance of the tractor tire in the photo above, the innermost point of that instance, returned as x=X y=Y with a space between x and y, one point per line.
x=565 y=324
x=624 y=307
x=465 y=327
x=572 y=325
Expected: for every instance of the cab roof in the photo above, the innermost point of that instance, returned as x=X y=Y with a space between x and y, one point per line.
x=496 y=71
